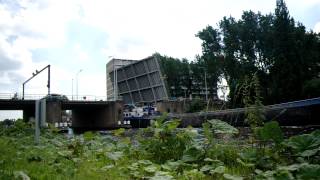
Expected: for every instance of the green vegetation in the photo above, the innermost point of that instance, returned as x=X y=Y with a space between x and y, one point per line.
x=161 y=151
x=196 y=105
x=275 y=47
x=282 y=53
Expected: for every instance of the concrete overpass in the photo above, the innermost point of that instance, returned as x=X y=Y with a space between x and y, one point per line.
x=85 y=114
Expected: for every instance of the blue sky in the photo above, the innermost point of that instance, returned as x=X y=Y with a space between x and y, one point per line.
x=81 y=34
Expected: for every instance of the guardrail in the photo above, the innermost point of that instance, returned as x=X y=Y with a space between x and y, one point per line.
x=86 y=98
x=15 y=96
x=287 y=105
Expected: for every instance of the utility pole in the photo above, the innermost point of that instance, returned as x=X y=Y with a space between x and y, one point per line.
x=72 y=89
x=114 y=82
x=77 y=83
x=48 y=85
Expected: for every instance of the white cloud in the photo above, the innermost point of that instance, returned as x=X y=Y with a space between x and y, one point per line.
x=134 y=29
x=164 y=26
x=28 y=26
x=80 y=54
x=317 y=28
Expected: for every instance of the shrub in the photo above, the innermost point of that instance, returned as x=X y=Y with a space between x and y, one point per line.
x=196 y=105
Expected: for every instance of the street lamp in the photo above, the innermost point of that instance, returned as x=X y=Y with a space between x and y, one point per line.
x=77 y=83
x=72 y=89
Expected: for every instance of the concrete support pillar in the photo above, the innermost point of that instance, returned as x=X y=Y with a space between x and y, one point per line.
x=54 y=110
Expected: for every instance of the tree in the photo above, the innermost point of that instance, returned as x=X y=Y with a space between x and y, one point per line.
x=211 y=58
x=282 y=54
x=177 y=75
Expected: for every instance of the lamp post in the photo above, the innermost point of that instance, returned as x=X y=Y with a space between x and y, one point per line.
x=77 y=83
x=72 y=89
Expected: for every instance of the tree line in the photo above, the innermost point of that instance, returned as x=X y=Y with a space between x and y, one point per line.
x=278 y=50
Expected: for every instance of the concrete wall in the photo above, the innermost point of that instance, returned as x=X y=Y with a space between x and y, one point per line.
x=173 y=106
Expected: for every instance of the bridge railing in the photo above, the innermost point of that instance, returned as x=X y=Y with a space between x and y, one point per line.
x=86 y=98
x=286 y=105
x=7 y=95
x=15 y=96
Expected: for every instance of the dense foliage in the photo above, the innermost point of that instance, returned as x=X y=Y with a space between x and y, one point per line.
x=284 y=55
x=159 y=152
x=185 y=77
x=279 y=50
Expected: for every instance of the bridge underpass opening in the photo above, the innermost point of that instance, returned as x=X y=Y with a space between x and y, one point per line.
x=62 y=119
x=94 y=115
x=11 y=114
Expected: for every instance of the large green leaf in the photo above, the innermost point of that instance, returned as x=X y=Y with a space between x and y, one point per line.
x=145 y=162
x=161 y=175
x=295 y=171
x=232 y=177
x=21 y=175
x=244 y=164
x=115 y=155
x=151 y=168
x=309 y=171
x=282 y=174
x=119 y=132
x=207 y=168
x=218 y=170
x=305 y=145
x=308 y=153
x=88 y=136
x=270 y=131
x=221 y=127
x=172 y=165
x=171 y=125
x=192 y=154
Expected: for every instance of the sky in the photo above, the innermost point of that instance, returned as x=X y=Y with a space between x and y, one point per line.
x=74 y=35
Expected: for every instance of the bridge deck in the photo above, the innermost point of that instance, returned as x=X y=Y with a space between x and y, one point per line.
x=68 y=105
x=10 y=104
